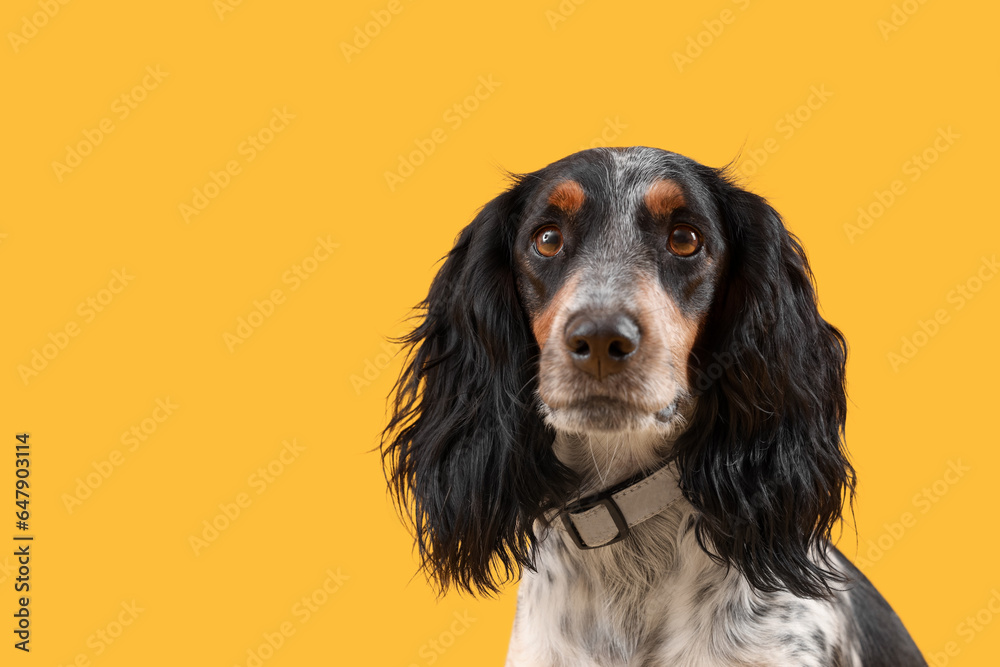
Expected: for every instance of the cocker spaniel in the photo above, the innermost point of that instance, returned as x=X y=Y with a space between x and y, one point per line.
x=620 y=388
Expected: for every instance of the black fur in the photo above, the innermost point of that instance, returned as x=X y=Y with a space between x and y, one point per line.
x=762 y=457
x=877 y=625
x=468 y=452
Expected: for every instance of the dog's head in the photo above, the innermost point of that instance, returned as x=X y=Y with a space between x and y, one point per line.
x=638 y=296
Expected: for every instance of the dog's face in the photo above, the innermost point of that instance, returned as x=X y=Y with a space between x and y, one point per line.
x=616 y=292
x=617 y=258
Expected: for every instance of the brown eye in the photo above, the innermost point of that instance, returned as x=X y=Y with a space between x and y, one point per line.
x=684 y=240
x=548 y=241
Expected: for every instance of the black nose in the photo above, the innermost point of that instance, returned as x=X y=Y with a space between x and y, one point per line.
x=601 y=344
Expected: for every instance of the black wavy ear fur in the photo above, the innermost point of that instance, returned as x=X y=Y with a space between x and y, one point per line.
x=762 y=457
x=469 y=459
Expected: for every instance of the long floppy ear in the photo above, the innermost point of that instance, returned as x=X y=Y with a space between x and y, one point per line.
x=469 y=457
x=763 y=458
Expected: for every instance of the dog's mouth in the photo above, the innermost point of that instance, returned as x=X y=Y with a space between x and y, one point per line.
x=609 y=414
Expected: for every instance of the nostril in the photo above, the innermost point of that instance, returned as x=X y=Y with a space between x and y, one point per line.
x=581 y=337
x=619 y=348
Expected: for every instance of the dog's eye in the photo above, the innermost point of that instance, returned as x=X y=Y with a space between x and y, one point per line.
x=684 y=240
x=548 y=241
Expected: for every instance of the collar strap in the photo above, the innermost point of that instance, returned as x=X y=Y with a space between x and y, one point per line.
x=607 y=517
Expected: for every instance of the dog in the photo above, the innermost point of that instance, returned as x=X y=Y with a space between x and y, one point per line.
x=621 y=392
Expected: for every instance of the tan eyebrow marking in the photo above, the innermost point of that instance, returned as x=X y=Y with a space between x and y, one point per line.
x=568 y=196
x=663 y=196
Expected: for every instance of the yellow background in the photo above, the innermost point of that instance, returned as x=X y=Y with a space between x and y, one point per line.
x=559 y=84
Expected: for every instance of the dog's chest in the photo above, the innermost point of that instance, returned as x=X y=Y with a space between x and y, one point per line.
x=609 y=609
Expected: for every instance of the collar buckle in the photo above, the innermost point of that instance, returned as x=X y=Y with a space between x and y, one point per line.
x=604 y=499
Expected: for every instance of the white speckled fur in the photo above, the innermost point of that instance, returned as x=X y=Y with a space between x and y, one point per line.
x=660 y=600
